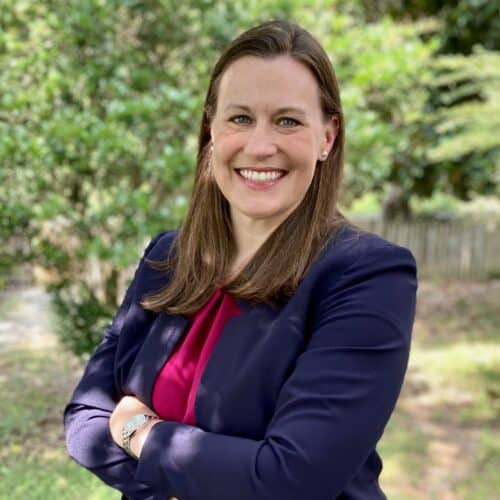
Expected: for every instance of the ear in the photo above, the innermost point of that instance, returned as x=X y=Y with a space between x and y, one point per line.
x=330 y=131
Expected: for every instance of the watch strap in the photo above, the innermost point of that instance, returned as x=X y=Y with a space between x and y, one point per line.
x=130 y=428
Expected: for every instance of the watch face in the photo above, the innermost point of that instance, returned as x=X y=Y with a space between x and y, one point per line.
x=134 y=423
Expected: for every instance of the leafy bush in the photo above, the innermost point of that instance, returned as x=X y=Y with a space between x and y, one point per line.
x=99 y=108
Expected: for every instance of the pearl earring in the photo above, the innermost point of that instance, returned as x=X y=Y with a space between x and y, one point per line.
x=324 y=154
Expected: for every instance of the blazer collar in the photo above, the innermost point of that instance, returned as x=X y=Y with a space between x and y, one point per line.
x=165 y=332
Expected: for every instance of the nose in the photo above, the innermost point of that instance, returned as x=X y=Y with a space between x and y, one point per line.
x=260 y=142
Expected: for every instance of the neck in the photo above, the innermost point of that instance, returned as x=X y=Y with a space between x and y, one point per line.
x=249 y=235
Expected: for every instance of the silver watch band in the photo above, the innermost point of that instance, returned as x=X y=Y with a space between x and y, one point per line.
x=130 y=428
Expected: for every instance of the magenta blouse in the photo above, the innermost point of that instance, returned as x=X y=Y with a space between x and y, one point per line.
x=174 y=391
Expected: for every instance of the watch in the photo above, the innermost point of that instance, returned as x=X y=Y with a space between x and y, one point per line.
x=132 y=425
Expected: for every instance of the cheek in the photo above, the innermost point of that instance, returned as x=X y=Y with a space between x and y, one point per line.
x=226 y=143
x=224 y=154
x=303 y=149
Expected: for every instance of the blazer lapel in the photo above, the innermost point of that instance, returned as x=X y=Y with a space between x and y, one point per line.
x=165 y=332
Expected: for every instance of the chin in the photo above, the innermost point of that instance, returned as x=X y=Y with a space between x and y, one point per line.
x=268 y=215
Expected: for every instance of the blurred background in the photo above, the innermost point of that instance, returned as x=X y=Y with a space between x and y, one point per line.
x=100 y=102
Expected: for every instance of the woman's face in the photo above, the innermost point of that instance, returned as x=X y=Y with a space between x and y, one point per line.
x=268 y=132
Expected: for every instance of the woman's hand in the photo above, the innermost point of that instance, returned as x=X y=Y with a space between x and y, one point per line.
x=125 y=409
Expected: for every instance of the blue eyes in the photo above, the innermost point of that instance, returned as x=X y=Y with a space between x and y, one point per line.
x=245 y=120
x=291 y=122
x=240 y=119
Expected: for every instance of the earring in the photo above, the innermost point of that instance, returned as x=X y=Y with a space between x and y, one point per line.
x=212 y=147
x=324 y=154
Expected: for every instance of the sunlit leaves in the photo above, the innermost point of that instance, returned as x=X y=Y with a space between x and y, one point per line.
x=100 y=102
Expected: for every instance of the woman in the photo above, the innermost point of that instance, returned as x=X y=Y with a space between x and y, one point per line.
x=260 y=350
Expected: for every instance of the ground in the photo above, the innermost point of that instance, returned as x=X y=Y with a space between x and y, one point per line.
x=441 y=443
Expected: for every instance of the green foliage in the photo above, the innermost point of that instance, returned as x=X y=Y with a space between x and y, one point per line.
x=465 y=23
x=439 y=203
x=469 y=23
x=100 y=102
x=383 y=70
x=82 y=318
x=100 y=107
x=455 y=146
x=369 y=204
x=466 y=120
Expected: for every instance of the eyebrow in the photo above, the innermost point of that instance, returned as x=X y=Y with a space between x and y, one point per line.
x=286 y=109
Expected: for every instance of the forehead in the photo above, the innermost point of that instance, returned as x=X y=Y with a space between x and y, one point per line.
x=281 y=81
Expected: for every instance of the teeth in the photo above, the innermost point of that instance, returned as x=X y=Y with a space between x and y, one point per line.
x=261 y=176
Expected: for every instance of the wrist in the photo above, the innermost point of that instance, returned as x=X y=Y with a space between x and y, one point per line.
x=132 y=432
x=139 y=438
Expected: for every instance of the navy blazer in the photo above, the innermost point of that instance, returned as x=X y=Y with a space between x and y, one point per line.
x=292 y=401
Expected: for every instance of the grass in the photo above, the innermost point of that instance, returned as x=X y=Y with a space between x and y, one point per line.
x=50 y=476
x=441 y=442
x=35 y=385
x=486 y=483
x=466 y=376
x=401 y=449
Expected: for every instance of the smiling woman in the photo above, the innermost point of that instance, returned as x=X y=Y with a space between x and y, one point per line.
x=272 y=104
x=261 y=348
x=268 y=134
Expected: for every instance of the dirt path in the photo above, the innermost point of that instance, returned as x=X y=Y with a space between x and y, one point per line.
x=25 y=319
x=447 y=314
x=449 y=452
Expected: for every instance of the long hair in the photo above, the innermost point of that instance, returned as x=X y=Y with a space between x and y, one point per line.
x=204 y=248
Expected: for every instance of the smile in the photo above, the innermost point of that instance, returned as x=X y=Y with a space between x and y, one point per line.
x=260 y=176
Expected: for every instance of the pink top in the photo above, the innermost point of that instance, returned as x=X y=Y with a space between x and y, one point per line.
x=174 y=392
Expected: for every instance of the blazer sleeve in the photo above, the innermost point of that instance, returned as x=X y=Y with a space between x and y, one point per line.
x=331 y=411
x=86 y=417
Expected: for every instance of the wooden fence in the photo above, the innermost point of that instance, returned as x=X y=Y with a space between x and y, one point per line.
x=451 y=249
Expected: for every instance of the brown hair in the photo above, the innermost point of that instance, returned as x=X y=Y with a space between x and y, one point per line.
x=203 y=250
